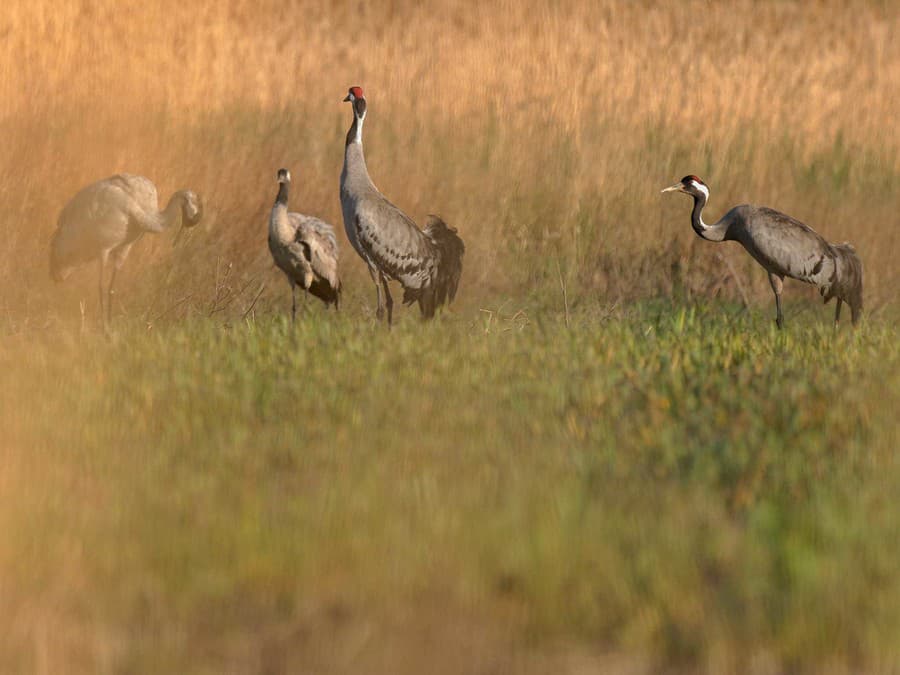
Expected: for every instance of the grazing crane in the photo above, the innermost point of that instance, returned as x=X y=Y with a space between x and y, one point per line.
x=785 y=248
x=305 y=249
x=427 y=263
x=106 y=218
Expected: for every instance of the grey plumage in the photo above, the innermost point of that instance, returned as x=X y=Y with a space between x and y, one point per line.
x=106 y=218
x=784 y=247
x=304 y=248
x=427 y=263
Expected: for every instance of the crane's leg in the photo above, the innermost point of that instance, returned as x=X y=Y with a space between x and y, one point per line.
x=104 y=256
x=117 y=257
x=837 y=312
x=110 y=293
x=293 y=302
x=375 y=274
x=777 y=285
x=389 y=301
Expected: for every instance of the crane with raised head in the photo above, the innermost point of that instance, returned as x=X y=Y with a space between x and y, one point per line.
x=304 y=248
x=784 y=247
x=427 y=263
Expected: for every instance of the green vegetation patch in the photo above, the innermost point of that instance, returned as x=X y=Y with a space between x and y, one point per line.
x=684 y=483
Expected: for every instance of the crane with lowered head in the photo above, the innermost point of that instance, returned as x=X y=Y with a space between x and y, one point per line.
x=105 y=219
x=784 y=247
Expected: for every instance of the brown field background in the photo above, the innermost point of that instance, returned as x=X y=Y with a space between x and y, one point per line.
x=543 y=131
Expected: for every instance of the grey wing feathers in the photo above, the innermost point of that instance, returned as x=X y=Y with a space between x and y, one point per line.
x=140 y=189
x=291 y=259
x=391 y=240
x=793 y=249
x=785 y=222
x=135 y=196
x=308 y=254
x=319 y=245
x=318 y=227
x=100 y=217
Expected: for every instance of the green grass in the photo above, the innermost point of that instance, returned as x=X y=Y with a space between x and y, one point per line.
x=683 y=484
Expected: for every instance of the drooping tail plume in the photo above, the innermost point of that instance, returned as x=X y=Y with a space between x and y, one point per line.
x=850 y=279
x=450 y=250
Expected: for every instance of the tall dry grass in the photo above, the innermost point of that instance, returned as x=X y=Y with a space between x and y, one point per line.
x=542 y=130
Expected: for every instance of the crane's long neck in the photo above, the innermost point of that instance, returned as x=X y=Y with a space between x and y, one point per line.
x=279 y=223
x=355 y=174
x=354 y=134
x=711 y=232
x=281 y=199
x=171 y=215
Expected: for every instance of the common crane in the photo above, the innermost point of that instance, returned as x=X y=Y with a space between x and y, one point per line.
x=304 y=248
x=106 y=218
x=785 y=247
x=427 y=263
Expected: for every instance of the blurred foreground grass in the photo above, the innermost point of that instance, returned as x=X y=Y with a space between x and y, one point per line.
x=662 y=487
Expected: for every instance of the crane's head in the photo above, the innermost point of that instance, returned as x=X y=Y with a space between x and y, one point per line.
x=284 y=176
x=191 y=208
x=848 y=284
x=353 y=94
x=357 y=98
x=191 y=211
x=690 y=185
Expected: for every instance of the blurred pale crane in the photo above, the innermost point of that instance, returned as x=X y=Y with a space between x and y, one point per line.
x=305 y=249
x=785 y=247
x=104 y=220
x=427 y=263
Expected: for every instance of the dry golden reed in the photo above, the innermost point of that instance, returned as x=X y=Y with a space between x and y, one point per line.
x=542 y=130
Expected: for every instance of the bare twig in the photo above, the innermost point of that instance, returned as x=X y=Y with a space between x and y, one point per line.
x=230 y=296
x=220 y=286
x=562 y=285
x=737 y=280
x=169 y=309
x=490 y=318
x=249 y=309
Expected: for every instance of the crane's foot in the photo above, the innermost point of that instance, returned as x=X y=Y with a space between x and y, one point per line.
x=780 y=323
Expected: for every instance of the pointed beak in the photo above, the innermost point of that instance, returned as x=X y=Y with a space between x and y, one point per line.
x=673 y=188
x=346 y=98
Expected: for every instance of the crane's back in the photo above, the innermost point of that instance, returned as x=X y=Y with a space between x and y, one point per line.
x=97 y=219
x=781 y=244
